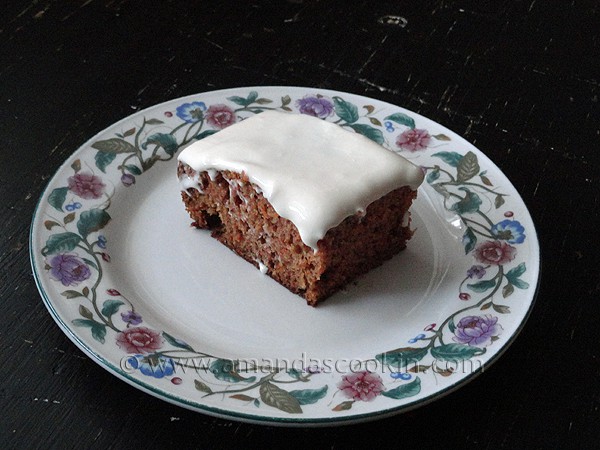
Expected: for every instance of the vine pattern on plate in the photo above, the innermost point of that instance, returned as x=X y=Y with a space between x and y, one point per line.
x=76 y=256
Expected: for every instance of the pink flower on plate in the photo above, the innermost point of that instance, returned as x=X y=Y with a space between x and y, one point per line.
x=414 y=140
x=139 y=340
x=220 y=116
x=86 y=185
x=495 y=252
x=363 y=385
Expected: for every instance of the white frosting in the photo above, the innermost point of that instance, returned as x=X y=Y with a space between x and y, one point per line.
x=314 y=173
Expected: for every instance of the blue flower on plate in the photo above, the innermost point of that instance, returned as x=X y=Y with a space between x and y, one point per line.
x=191 y=112
x=510 y=231
x=152 y=365
x=401 y=376
x=101 y=241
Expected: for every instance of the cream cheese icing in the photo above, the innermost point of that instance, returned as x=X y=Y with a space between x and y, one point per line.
x=314 y=173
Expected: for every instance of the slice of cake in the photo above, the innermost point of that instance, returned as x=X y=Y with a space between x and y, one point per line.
x=307 y=202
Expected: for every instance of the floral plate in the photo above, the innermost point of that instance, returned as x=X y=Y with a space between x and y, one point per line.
x=169 y=310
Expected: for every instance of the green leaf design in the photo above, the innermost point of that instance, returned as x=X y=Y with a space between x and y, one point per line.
x=518 y=283
x=164 y=140
x=485 y=180
x=62 y=242
x=93 y=220
x=482 y=286
x=110 y=307
x=297 y=374
x=516 y=272
x=455 y=352
x=103 y=160
x=99 y=332
x=451 y=325
x=370 y=109
x=263 y=101
x=345 y=110
x=154 y=122
x=375 y=121
x=344 y=406
x=205 y=134
x=238 y=100
x=202 y=387
x=286 y=100
x=404 y=390
x=91 y=263
x=401 y=119
x=84 y=312
x=57 y=197
x=402 y=357
x=441 y=189
x=83 y=322
x=470 y=203
x=467 y=168
x=309 y=396
x=513 y=276
x=69 y=218
x=499 y=201
x=49 y=224
x=276 y=397
x=433 y=175
x=501 y=309
x=252 y=96
x=243 y=397
x=114 y=145
x=226 y=370
x=133 y=169
x=368 y=131
x=469 y=240
x=76 y=166
x=98 y=329
x=176 y=342
x=71 y=294
x=441 y=137
x=508 y=290
x=450 y=158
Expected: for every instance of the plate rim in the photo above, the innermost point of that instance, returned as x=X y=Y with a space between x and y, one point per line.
x=266 y=419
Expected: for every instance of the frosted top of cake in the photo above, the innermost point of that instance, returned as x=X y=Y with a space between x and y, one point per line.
x=314 y=173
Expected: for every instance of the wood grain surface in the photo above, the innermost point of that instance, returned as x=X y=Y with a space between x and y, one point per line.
x=519 y=79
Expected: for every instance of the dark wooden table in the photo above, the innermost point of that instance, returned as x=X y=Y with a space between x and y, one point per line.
x=519 y=79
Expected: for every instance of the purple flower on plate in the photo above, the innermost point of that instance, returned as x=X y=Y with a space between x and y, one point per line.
x=510 y=231
x=69 y=269
x=316 y=106
x=131 y=317
x=127 y=179
x=477 y=331
x=191 y=112
x=476 y=271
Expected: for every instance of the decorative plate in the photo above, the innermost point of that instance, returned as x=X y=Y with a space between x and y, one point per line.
x=166 y=308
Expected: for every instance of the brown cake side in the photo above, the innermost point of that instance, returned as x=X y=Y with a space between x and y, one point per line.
x=240 y=217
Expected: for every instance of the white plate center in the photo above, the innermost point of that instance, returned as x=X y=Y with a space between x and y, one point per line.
x=182 y=279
